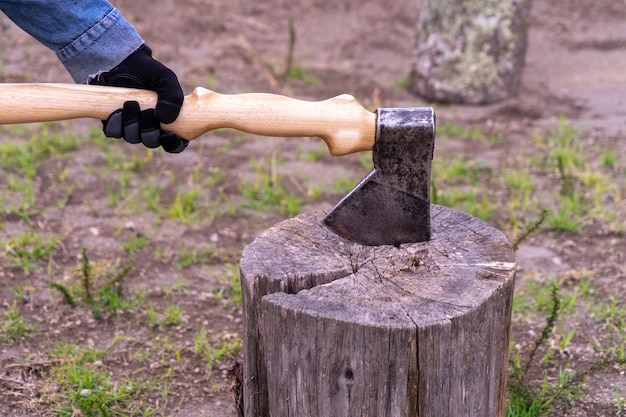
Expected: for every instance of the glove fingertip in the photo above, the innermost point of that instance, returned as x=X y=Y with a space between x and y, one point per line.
x=113 y=126
x=150 y=138
x=172 y=143
x=131 y=133
x=181 y=147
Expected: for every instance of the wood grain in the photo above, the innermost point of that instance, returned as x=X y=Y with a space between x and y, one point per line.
x=333 y=328
x=340 y=121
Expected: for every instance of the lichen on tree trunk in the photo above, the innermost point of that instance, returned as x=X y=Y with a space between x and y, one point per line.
x=469 y=51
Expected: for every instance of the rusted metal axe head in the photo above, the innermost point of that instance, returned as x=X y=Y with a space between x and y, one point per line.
x=391 y=205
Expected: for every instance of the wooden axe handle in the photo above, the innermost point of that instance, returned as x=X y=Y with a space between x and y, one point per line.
x=341 y=121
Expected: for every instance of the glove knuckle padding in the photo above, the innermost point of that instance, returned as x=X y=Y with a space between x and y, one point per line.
x=169 y=96
x=150 y=129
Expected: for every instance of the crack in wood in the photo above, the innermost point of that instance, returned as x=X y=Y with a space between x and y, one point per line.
x=394 y=331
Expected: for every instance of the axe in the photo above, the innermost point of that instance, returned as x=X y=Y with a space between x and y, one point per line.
x=389 y=206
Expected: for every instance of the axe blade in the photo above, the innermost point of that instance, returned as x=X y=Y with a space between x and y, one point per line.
x=391 y=205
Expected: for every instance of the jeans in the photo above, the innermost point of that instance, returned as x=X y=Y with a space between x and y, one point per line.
x=89 y=37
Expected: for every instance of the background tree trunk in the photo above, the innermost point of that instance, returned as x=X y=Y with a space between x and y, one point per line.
x=469 y=51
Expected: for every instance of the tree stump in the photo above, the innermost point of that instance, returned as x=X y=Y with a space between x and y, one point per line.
x=333 y=328
x=469 y=51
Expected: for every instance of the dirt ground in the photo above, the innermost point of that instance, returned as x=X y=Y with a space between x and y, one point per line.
x=575 y=68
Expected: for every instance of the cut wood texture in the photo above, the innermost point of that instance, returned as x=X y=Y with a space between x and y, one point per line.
x=333 y=328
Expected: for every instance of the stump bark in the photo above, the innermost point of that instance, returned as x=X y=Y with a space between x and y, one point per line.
x=333 y=328
x=469 y=51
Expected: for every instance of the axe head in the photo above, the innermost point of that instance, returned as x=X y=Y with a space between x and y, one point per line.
x=391 y=205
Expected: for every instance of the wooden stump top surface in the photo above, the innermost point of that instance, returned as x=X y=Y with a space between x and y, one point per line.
x=308 y=268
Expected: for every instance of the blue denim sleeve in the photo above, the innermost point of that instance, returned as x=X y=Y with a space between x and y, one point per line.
x=88 y=36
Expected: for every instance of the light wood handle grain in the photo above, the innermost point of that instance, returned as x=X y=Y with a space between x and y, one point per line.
x=341 y=121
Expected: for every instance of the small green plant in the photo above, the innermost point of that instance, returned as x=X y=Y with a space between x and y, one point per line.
x=236 y=138
x=24 y=157
x=172 y=315
x=291 y=70
x=185 y=206
x=135 y=243
x=201 y=340
x=609 y=158
x=365 y=160
x=87 y=390
x=530 y=398
x=567 y=180
x=267 y=191
x=568 y=216
x=29 y=250
x=521 y=183
x=566 y=150
x=460 y=183
x=100 y=297
x=65 y=292
x=178 y=285
x=314 y=155
x=188 y=257
x=560 y=385
x=21 y=158
x=215 y=350
x=520 y=201
x=209 y=79
x=22 y=293
x=23 y=186
x=546 y=331
x=151 y=194
x=532 y=228
x=215 y=177
x=291 y=47
x=466 y=199
x=124 y=162
x=582 y=184
x=67 y=192
x=460 y=170
x=299 y=72
x=343 y=185
x=264 y=194
x=13 y=326
x=475 y=133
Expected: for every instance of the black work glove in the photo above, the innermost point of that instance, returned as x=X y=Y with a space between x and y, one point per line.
x=140 y=70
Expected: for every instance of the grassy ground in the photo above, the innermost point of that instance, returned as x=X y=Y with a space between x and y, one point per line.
x=119 y=281
x=89 y=325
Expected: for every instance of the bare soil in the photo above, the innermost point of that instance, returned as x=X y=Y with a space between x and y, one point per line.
x=575 y=67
